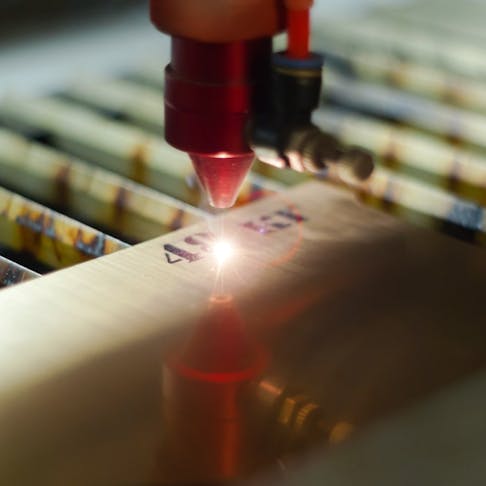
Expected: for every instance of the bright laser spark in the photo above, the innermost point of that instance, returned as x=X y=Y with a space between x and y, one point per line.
x=222 y=250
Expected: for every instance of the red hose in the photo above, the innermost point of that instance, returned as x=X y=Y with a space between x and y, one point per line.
x=298 y=28
x=298 y=34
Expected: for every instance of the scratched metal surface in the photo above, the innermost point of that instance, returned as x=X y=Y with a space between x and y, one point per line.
x=90 y=194
x=55 y=240
x=12 y=273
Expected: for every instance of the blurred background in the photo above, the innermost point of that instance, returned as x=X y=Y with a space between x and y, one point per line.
x=43 y=44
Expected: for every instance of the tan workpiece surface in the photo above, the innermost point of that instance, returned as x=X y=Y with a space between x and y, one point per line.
x=365 y=313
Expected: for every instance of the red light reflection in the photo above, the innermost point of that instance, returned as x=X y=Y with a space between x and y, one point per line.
x=212 y=432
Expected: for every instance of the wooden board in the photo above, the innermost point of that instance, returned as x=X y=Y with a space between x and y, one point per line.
x=364 y=313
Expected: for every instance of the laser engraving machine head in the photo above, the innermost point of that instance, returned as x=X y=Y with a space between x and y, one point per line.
x=227 y=97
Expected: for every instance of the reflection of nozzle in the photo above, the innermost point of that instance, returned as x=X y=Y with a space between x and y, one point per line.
x=299 y=419
x=220 y=345
x=212 y=430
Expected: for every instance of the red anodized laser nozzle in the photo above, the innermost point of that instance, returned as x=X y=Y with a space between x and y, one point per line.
x=221 y=175
x=220 y=55
x=211 y=429
x=208 y=95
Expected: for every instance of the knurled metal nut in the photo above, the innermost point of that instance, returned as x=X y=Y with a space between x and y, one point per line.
x=289 y=409
x=305 y=415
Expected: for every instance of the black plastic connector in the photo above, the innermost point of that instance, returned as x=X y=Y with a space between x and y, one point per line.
x=282 y=133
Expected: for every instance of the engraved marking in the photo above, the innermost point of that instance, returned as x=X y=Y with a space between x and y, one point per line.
x=292 y=214
x=194 y=240
x=186 y=255
x=265 y=224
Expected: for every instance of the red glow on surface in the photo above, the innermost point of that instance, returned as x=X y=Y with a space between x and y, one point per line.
x=219 y=350
x=221 y=378
x=210 y=435
x=221 y=175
